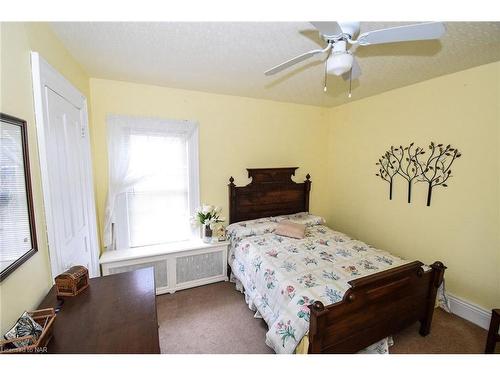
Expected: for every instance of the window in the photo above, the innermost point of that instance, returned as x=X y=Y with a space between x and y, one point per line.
x=17 y=225
x=157 y=190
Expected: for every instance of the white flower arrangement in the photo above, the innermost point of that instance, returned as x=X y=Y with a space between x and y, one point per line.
x=207 y=215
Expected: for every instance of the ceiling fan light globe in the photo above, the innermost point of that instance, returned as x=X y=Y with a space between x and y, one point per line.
x=339 y=64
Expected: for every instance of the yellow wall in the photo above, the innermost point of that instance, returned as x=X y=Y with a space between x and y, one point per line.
x=462 y=225
x=338 y=147
x=23 y=289
x=235 y=133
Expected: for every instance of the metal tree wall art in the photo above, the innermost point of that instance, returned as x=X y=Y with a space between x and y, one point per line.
x=409 y=163
x=388 y=168
x=436 y=169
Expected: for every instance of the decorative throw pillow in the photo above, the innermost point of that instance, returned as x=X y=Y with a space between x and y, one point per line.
x=290 y=229
x=25 y=326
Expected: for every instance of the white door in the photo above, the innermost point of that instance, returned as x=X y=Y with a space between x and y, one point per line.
x=66 y=170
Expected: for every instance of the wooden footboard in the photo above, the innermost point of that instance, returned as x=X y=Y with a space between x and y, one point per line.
x=375 y=307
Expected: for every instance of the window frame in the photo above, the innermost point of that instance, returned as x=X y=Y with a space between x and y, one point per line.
x=121 y=231
x=8 y=119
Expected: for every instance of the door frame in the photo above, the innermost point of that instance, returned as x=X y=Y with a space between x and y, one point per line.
x=45 y=76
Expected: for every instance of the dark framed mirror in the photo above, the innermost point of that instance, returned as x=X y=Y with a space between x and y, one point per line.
x=17 y=219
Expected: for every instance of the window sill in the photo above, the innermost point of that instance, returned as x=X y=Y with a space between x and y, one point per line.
x=156 y=250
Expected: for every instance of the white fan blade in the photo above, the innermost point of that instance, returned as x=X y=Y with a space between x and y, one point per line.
x=420 y=31
x=295 y=60
x=327 y=28
x=355 y=71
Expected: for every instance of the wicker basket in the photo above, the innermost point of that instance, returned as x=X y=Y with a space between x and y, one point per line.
x=43 y=317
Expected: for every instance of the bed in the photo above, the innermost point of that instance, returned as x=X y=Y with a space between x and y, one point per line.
x=326 y=293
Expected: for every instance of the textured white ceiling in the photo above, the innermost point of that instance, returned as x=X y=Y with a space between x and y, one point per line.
x=230 y=58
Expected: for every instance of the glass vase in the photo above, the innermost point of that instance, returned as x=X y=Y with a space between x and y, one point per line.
x=207 y=234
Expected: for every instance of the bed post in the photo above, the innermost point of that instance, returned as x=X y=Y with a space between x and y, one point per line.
x=232 y=205
x=437 y=278
x=232 y=197
x=316 y=327
x=307 y=189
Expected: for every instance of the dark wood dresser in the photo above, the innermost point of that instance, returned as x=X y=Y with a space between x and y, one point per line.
x=115 y=314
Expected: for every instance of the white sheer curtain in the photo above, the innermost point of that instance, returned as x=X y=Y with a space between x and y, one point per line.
x=139 y=151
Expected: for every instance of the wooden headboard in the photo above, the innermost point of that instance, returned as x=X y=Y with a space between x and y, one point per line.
x=270 y=193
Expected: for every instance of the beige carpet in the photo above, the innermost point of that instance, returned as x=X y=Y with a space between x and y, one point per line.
x=215 y=319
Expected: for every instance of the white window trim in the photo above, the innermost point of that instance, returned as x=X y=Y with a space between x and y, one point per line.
x=120 y=236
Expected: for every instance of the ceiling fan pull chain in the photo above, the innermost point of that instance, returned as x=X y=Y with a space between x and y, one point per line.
x=350 y=83
x=326 y=78
x=329 y=49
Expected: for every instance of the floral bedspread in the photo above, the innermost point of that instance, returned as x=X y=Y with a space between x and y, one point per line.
x=281 y=276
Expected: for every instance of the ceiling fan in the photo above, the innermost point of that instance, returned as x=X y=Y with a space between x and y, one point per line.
x=338 y=35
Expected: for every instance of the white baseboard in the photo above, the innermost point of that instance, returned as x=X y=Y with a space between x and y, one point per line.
x=469 y=311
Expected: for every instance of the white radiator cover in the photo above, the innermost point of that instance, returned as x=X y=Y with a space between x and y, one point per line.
x=176 y=266
x=198 y=266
